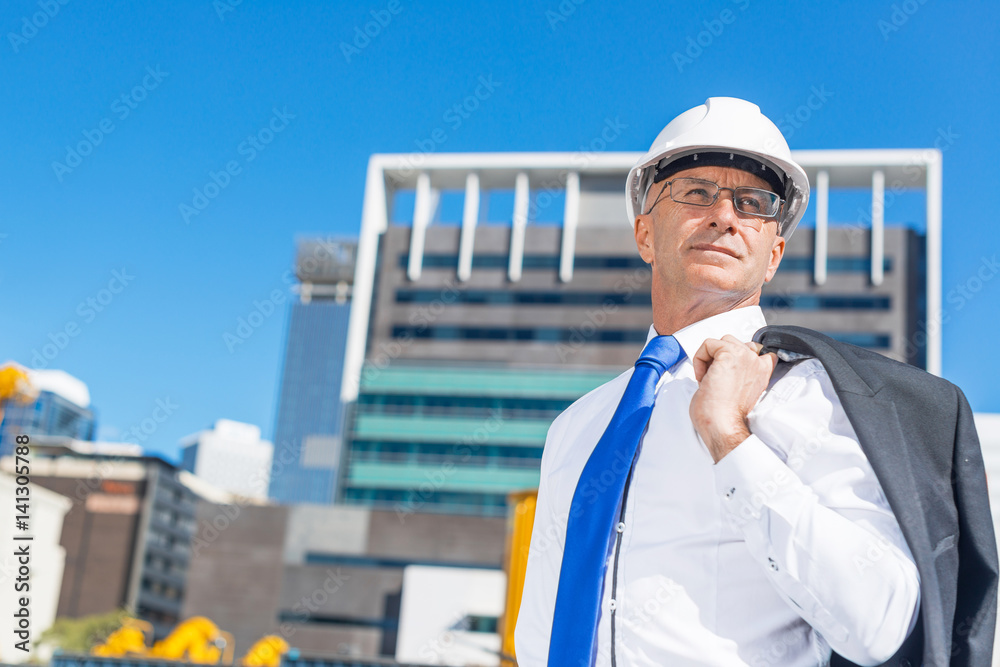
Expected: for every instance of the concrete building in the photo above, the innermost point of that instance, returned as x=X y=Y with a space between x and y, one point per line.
x=231 y=456
x=472 y=326
x=46 y=512
x=449 y=616
x=328 y=579
x=127 y=535
x=62 y=408
x=309 y=421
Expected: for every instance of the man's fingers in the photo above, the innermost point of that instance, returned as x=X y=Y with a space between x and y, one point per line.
x=711 y=348
x=773 y=358
x=704 y=357
x=770 y=356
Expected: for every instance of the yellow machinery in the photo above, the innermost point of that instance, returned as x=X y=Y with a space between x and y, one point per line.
x=196 y=640
x=130 y=639
x=519 y=522
x=266 y=652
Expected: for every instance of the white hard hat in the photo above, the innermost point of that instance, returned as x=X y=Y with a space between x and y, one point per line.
x=728 y=126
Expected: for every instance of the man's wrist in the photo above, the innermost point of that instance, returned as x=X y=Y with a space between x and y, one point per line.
x=721 y=441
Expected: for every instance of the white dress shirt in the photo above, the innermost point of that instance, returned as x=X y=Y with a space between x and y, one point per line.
x=779 y=552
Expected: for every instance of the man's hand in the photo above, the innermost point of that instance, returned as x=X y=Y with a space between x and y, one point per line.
x=731 y=377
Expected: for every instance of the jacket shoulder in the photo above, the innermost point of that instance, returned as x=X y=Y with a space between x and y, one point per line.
x=842 y=360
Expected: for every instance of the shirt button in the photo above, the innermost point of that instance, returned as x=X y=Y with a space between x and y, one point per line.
x=612 y=605
x=730 y=492
x=774 y=566
x=620 y=527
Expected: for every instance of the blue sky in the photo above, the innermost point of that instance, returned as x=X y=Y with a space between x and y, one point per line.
x=164 y=95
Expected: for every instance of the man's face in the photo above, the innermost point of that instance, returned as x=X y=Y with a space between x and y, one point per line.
x=708 y=251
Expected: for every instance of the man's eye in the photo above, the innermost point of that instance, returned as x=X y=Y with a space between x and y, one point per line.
x=750 y=204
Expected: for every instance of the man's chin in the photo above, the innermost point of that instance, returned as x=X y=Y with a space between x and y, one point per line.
x=712 y=278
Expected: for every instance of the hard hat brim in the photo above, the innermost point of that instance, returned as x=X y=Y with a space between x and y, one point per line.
x=796 y=193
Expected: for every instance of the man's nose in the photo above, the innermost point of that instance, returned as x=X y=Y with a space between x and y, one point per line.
x=723 y=210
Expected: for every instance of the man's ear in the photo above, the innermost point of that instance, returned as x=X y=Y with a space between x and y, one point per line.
x=644 y=237
x=777 y=252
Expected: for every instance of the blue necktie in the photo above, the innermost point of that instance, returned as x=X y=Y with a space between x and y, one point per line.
x=593 y=511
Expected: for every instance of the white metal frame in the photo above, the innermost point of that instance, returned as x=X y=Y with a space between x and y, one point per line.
x=918 y=169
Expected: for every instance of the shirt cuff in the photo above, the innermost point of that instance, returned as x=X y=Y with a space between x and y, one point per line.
x=752 y=477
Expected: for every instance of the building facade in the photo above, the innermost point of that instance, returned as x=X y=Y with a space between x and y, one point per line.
x=231 y=456
x=62 y=408
x=329 y=579
x=469 y=335
x=309 y=423
x=127 y=534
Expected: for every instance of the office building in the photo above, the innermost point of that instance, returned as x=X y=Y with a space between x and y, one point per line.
x=231 y=457
x=127 y=535
x=309 y=421
x=331 y=579
x=472 y=326
x=62 y=408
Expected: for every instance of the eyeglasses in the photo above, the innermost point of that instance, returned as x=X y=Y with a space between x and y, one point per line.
x=698 y=192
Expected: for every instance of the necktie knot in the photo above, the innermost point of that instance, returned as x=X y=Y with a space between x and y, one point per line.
x=661 y=353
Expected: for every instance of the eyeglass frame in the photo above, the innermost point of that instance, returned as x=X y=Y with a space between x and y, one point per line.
x=669 y=187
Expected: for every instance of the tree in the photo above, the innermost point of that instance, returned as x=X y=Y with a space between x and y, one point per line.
x=79 y=635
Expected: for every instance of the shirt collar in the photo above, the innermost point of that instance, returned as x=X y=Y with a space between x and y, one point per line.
x=740 y=322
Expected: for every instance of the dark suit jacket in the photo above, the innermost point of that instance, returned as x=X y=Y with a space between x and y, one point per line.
x=918 y=434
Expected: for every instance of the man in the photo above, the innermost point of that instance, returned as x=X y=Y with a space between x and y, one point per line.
x=701 y=508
